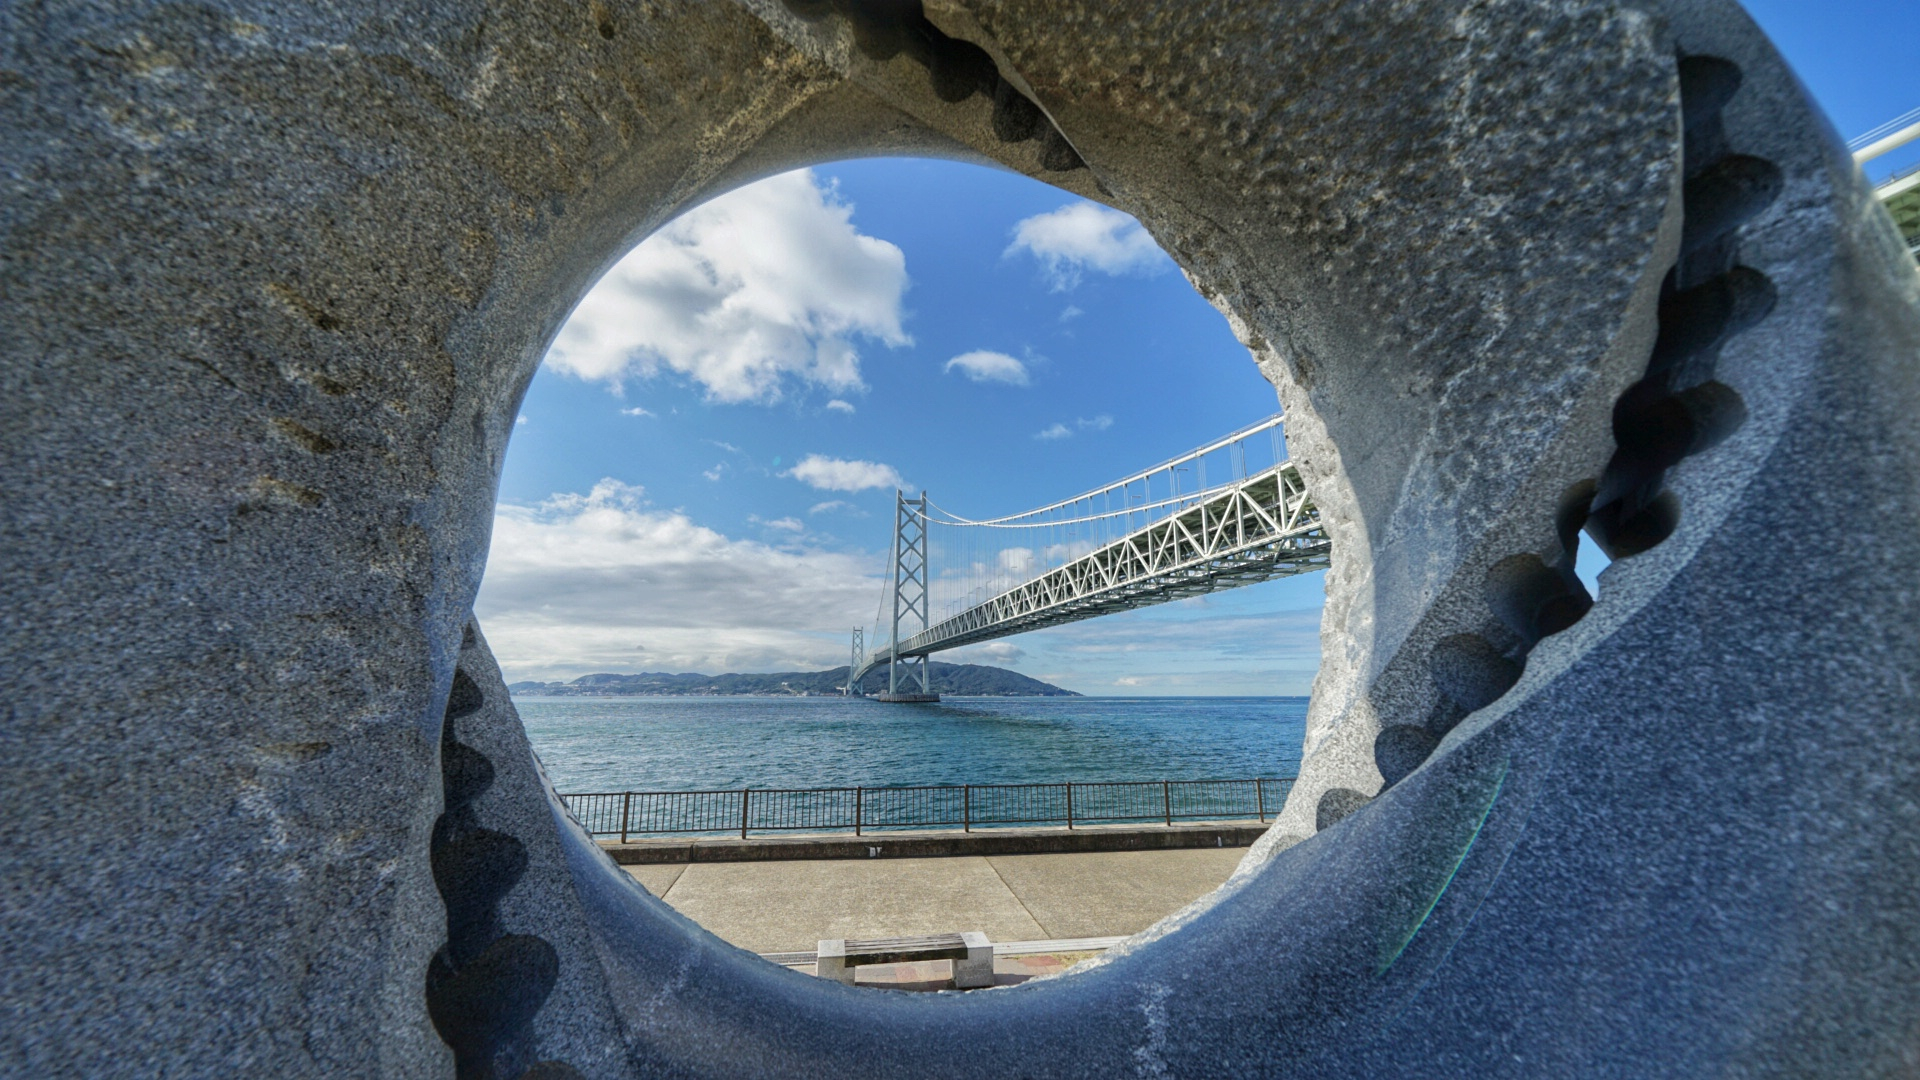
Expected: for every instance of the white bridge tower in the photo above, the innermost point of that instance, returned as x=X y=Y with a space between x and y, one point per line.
x=910 y=573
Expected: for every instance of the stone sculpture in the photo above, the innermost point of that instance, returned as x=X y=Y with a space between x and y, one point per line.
x=273 y=278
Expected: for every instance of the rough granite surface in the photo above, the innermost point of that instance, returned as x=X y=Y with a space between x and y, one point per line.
x=274 y=277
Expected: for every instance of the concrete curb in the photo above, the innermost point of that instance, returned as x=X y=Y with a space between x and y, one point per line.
x=934 y=845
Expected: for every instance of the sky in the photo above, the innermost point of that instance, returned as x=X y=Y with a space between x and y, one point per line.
x=703 y=471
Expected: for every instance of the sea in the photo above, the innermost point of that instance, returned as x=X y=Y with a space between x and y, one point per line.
x=593 y=744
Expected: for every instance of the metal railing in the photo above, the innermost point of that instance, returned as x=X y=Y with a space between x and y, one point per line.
x=862 y=809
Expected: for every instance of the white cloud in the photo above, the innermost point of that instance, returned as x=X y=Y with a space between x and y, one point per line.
x=1070 y=313
x=1086 y=235
x=635 y=411
x=829 y=505
x=1062 y=431
x=786 y=524
x=837 y=474
x=600 y=582
x=993 y=652
x=518 y=420
x=836 y=405
x=1264 y=637
x=716 y=472
x=1225 y=643
x=982 y=365
x=764 y=285
x=1128 y=680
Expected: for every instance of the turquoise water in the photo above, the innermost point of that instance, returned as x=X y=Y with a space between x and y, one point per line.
x=677 y=744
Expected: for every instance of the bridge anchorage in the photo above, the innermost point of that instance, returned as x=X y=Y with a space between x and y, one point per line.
x=1163 y=533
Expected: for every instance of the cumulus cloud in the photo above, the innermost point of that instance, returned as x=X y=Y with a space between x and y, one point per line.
x=601 y=582
x=786 y=524
x=836 y=405
x=635 y=411
x=839 y=474
x=764 y=286
x=1056 y=431
x=1085 y=235
x=829 y=506
x=982 y=365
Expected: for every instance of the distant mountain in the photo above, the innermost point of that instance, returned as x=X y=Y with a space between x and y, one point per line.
x=960 y=680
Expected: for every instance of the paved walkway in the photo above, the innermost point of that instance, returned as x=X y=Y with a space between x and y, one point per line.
x=790 y=906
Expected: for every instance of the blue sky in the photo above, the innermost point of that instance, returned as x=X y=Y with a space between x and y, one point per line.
x=702 y=478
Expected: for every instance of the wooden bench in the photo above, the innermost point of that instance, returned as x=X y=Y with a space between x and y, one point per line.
x=971 y=953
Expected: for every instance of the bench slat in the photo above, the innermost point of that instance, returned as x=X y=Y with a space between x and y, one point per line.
x=929 y=941
x=904 y=951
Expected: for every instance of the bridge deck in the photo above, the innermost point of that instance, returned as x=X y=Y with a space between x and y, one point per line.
x=1257 y=529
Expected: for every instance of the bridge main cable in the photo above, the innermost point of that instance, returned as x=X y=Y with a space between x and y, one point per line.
x=1272 y=425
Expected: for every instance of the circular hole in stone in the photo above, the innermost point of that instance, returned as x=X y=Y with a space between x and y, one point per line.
x=1470 y=671
x=1400 y=749
x=1335 y=805
x=700 y=500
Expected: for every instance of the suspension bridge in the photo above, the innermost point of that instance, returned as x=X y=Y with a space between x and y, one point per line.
x=1900 y=191
x=1231 y=513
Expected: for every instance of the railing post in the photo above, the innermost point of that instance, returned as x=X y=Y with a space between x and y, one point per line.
x=859 y=801
x=966 y=808
x=1069 y=804
x=1260 y=797
x=626 y=807
x=1166 y=800
x=744 y=794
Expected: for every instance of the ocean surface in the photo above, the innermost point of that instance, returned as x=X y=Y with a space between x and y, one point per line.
x=694 y=743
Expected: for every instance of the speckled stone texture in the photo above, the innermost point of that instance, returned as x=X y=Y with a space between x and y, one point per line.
x=273 y=278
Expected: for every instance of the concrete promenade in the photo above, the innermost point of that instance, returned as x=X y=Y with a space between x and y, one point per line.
x=789 y=906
